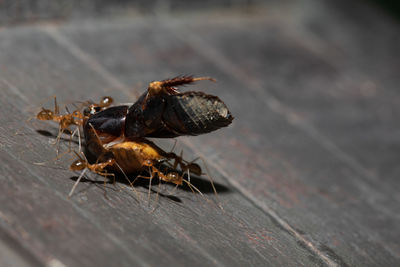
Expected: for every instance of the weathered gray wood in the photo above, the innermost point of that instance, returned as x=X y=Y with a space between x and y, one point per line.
x=90 y=229
x=306 y=173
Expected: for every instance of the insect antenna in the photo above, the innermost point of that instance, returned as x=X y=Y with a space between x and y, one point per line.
x=182 y=80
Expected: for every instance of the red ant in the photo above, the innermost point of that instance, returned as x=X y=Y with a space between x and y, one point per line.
x=133 y=156
x=75 y=118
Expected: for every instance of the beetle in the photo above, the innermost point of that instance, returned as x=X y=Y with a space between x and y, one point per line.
x=164 y=112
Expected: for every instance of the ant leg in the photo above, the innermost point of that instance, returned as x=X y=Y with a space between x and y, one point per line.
x=105 y=174
x=60 y=132
x=116 y=164
x=127 y=179
x=191 y=186
x=209 y=177
x=76 y=183
x=157 y=196
x=150 y=180
x=79 y=138
x=212 y=184
x=188 y=174
x=77 y=130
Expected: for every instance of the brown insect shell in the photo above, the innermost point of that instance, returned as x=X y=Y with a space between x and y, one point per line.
x=188 y=113
x=130 y=155
x=195 y=113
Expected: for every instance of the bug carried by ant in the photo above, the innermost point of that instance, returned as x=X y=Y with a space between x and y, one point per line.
x=116 y=135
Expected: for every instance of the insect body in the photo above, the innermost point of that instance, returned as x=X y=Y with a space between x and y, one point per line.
x=64 y=121
x=76 y=117
x=132 y=156
x=115 y=135
x=164 y=112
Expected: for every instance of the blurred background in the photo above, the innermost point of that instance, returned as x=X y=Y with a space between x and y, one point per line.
x=18 y=11
x=307 y=173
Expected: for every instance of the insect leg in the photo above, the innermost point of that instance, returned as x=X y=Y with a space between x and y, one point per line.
x=76 y=183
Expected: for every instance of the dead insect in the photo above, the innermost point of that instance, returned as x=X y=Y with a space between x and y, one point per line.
x=132 y=156
x=115 y=135
x=164 y=112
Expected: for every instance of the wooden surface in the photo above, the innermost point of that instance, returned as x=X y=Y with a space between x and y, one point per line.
x=307 y=173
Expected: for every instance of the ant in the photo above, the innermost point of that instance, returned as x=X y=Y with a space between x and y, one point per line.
x=75 y=118
x=133 y=156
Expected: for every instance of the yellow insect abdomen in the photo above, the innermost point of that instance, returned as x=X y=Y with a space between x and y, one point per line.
x=133 y=156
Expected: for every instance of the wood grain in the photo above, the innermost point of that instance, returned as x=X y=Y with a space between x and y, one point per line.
x=306 y=174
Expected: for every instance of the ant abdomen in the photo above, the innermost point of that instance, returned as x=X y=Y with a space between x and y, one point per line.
x=173 y=177
x=78 y=165
x=106 y=101
x=45 y=115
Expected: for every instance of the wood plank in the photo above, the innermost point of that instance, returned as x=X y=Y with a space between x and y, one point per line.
x=307 y=173
x=289 y=164
x=90 y=229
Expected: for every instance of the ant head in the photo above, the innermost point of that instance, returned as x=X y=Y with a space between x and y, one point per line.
x=77 y=114
x=45 y=115
x=194 y=168
x=106 y=101
x=90 y=110
x=173 y=177
x=78 y=165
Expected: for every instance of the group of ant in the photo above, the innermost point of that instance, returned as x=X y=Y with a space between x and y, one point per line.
x=115 y=135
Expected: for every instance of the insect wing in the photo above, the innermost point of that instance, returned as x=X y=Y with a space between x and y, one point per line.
x=194 y=113
x=109 y=120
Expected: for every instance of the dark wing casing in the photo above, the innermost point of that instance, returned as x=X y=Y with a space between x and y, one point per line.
x=145 y=116
x=101 y=128
x=109 y=121
x=194 y=113
x=165 y=116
